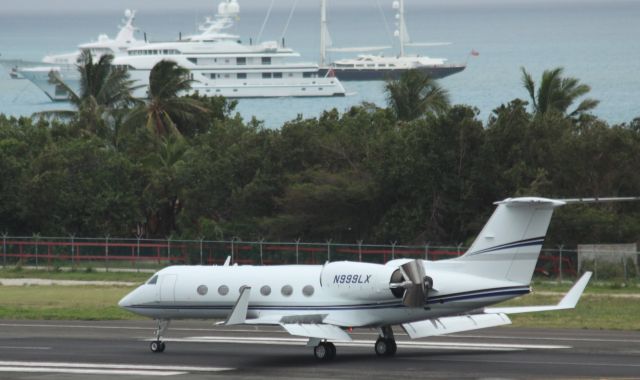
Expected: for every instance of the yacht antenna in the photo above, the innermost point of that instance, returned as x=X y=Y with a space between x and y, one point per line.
x=401 y=32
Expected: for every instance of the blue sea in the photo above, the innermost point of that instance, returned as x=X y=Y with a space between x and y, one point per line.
x=597 y=41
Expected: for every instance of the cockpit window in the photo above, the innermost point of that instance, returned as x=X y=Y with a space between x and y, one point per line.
x=153 y=280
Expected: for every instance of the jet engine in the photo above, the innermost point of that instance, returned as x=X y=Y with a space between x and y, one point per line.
x=411 y=283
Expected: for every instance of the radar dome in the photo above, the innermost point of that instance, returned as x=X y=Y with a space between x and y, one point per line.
x=396 y=33
x=128 y=13
x=233 y=7
x=222 y=8
x=395 y=5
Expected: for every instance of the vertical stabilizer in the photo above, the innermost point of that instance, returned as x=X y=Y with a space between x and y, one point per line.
x=509 y=244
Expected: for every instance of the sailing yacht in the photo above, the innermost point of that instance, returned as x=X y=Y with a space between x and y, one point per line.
x=65 y=65
x=380 y=67
x=221 y=65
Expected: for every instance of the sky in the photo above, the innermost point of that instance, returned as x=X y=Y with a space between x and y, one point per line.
x=150 y=5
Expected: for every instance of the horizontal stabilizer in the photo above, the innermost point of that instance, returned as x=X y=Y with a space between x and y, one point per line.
x=238 y=314
x=317 y=330
x=569 y=301
x=449 y=325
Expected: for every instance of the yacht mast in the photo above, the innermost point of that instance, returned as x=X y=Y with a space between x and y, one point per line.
x=323 y=32
x=401 y=32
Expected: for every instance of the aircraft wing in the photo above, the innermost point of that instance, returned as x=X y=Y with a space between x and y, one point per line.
x=449 y=325
x=569 y=301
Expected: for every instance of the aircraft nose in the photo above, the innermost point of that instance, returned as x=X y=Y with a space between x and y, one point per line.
x=125 y=301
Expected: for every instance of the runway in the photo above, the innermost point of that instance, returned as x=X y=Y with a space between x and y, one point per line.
x=198 y=350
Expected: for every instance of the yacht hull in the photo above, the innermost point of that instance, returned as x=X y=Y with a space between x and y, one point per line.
x=370 y=74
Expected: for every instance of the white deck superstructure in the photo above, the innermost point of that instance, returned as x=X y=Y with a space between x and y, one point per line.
x=65 y=64
x=221 y=65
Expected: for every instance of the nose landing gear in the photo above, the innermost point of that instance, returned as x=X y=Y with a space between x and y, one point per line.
x=157 y=346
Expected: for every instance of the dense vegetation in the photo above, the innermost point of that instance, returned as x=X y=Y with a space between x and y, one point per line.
x=420 y=170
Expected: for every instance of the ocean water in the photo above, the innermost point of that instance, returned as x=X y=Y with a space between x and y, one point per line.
x=597 y=41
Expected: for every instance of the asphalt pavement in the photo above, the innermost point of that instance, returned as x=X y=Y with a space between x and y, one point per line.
x=39 y=350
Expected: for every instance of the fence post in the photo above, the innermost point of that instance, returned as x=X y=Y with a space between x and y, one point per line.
x=560 y=262
x=106 y=253
x=73 y=261
x=459 y=249
x=201 y=240
x=298 y=251
x=595 y=268
x=360 y=250
x=261 y=259
x=4 y=250
x=37 y=237
x=138 y=237
x=426 y=251
x=169 y=250
x=233 y=239
x=329 y=250
x=624 y=267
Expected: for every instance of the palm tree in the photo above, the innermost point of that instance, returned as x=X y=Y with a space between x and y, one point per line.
x=104 y=90
x=557 y=93
x=415 y=94
x=165 y=112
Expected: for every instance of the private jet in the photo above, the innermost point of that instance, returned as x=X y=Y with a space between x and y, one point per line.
x=325 y=302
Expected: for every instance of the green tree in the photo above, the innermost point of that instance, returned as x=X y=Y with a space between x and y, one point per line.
x=105 y=90
x=415 y=94
x=166 y=112
x=557 y=93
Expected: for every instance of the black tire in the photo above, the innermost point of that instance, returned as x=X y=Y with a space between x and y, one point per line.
x=162 y=347
x=393 y=348
x=156 y=346
x=381 y=347
x=321 y=351
x=332 y=350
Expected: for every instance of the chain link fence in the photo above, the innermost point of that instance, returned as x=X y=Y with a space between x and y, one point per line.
x=150 y=254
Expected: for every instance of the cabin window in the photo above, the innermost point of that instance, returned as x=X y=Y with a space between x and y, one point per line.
x=202 y=290
x=287 y=290
x=223 y=290
x=308 y=290
x=193 y=60
x=242 y=75
x=266 y=75
x=277 y=75
x=266 y=60
x=153 y=280
x=265 y=290
x=307 y=75
x=241 y=61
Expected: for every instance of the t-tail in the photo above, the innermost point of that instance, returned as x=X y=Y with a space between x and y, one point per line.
x=509 y=244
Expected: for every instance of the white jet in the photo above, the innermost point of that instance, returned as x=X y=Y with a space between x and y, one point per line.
x=325 y=302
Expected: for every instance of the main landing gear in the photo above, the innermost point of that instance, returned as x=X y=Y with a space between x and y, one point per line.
x=324 y=351
x=157 y=346
x=386 y=344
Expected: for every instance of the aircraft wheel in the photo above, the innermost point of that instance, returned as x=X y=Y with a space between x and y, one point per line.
x=156 y=346
x=324 y=351
x=385 y=347
x=332 y=350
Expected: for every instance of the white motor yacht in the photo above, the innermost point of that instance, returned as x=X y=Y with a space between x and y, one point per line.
x=65 y=65
x=221 y=65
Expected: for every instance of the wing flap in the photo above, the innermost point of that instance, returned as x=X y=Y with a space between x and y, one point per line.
x=317 y=330
x=449 y=325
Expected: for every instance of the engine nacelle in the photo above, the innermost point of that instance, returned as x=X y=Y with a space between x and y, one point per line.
x=358 y=281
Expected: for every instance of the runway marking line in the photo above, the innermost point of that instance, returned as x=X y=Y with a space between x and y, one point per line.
x=104 y=368
x=367 y=343
x=23 y=348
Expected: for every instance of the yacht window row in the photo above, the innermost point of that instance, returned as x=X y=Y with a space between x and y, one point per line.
x=154 y=52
